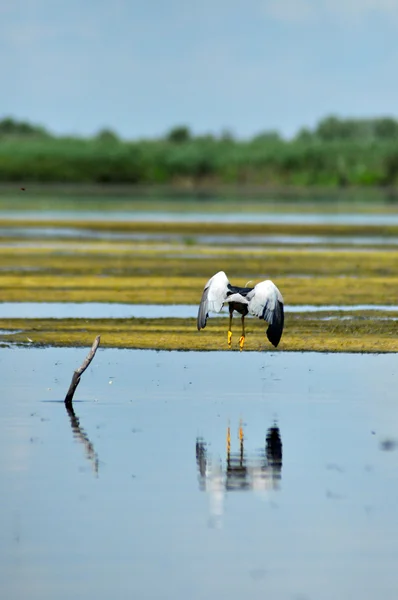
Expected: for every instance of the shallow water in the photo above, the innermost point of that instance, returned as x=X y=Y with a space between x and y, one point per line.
x=131 y=496
x=104 y=310
x=225 y=216
x=246 y=240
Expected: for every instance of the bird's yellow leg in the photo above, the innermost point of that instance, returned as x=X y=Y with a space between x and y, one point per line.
x=242 y=337
x=241 y=438
x=241 y=435
x=230 y=330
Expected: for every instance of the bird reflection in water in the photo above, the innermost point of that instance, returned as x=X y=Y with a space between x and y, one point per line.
x=260 y=471
x=80 y=435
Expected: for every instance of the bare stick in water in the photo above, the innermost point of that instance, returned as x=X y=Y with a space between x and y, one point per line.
x=79 y=372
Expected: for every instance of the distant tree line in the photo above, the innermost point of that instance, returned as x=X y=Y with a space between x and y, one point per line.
x=12 y=128
x=336 y=152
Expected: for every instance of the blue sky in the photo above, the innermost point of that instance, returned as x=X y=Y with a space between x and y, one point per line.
x=142 y=67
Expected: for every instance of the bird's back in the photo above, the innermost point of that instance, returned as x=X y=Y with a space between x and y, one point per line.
x=235 y=289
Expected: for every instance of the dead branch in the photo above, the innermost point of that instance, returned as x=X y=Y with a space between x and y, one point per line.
x=79 y=372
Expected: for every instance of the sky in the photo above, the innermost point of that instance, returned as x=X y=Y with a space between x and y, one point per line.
x=246 y=66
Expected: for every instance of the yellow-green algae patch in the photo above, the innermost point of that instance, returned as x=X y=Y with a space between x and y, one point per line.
x=138 y=272
x=303 y=332
x=192 y=228
x=187 y=290
x=122 y=260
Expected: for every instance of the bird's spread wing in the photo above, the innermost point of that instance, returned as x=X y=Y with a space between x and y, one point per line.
x=213 y=297
x=266 y=302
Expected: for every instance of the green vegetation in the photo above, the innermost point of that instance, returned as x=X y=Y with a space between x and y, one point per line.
x=205 y=228
x=145 y=272
x=303 y=332
x=336 y=154
x=124 y=261
x=187 y=290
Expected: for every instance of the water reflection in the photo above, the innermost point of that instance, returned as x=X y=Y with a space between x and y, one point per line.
x=80 y=435
x=259 y=471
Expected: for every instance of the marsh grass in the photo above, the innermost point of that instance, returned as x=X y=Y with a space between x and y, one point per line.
x=188 y=229
x=147 y=273
x=303 y=332
x=319 y=290
x=335 y=163
x=118 y=260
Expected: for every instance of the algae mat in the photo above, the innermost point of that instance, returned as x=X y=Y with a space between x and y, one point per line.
x=331 y=332
x=138 y=259
x=205 y=228
x=145 y=273
x=188 y=290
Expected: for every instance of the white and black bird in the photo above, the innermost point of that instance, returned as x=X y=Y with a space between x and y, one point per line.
x=263 y=301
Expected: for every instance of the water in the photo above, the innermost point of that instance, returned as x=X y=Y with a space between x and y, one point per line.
x=104 y=310
x=224 y=216
x=69 y=233
x=121 y=500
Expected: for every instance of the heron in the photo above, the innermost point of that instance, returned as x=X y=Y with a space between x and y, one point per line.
x=264 y=301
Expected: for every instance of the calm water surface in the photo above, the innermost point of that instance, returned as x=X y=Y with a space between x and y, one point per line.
x=224 y=216
x=43 y=233
x=134 y=494
x=114 y=310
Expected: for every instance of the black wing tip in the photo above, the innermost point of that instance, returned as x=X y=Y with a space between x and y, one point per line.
x=275 y=329
x=274 y=445
x=274 y=335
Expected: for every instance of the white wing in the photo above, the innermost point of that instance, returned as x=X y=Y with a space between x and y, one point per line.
x=213 y=297
x=266 y=302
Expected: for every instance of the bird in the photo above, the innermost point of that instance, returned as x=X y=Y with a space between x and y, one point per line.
x=264 y=301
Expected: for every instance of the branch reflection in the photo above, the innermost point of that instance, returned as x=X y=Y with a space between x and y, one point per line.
x=259 y=471
x=80 y=435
